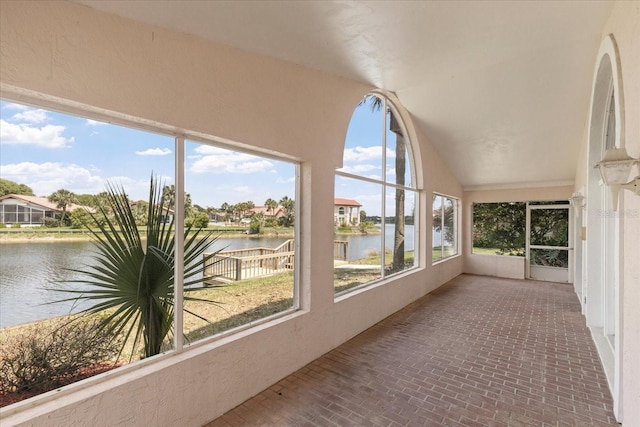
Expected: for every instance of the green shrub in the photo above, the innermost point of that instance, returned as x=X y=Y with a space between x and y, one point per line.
x=255 y=226
x=3 y=225
x=79 y=218
x=51 y=222
x=44 y=358
x=16 y=225
x=197 y=220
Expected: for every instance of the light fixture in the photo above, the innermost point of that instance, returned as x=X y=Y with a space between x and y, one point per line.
x=615 y=169
x=576 y=200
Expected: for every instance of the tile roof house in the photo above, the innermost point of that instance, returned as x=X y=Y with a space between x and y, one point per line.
x=29 y=210
x=346 y=211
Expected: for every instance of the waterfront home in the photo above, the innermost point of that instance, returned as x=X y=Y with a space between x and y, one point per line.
x=30 y=211
x=346 y=211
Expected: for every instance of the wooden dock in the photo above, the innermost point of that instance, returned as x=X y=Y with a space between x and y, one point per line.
x=241 y=264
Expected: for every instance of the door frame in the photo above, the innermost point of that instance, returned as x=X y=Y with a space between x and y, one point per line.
x=569 y=248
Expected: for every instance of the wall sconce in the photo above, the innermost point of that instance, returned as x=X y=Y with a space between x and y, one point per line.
x=577 y=201
x=615 y=169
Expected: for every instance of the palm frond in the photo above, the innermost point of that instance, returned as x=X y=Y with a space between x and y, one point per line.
x=132 y=277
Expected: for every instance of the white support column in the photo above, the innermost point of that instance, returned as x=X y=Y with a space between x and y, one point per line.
x=178 y=277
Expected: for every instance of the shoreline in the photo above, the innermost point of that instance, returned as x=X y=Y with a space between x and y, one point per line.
x=62 y=236
x=8 y=238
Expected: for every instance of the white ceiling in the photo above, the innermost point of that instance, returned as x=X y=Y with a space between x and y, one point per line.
x=500 y=88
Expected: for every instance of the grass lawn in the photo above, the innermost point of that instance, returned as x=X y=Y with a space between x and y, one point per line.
x=236 y=304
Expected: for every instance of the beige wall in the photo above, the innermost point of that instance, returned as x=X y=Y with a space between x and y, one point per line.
x=72 y=58
x=624 y=25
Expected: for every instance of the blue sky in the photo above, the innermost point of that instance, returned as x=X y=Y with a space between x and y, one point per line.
x=49 y=151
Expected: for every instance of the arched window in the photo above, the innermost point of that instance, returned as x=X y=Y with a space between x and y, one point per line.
x=378 y=176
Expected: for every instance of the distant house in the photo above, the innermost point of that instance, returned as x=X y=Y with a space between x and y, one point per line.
x=346 y=211
x=266 y=212
x=167 y=214
x=217 y=216
x=29 y=210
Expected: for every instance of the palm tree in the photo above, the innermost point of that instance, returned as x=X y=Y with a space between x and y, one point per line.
x=271 y=205
x=132 y=278
x=62 y=198
x=376 y=104
x=288 y=205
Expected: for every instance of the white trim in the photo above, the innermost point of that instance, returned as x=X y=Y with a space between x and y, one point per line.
x=603 y=253
x=518 y=185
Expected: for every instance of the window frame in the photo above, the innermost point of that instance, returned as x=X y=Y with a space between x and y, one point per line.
x=456 y=222
x=85 y=111
x=385 y=185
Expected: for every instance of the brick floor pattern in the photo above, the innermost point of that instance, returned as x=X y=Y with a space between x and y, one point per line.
x=479 y=351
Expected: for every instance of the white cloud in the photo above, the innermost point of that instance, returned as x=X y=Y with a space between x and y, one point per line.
x=49 y=136
x=358 y=154
x=363 y=154
x=95 y=123
x=208 y=149
x=45 y=178
x=358 y=169
x=217 y=160
x=154 y=152
x=14 y=106
x=31 y=116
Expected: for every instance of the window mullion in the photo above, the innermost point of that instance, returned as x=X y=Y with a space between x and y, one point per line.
x=178 y=274
x=384 y=188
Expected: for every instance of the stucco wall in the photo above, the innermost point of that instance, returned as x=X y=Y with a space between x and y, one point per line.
x=624 y=25
x=67 y=56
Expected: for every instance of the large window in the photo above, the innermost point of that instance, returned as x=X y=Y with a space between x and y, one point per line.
x=377 y=181
x=445 y=227
x=197 y=237
x=499 y=228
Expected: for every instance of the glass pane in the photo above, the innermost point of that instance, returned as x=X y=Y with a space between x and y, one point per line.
x=499 y=228
x=550 y=257
x=362 y=241
x=74 y=162
x=399 y=230
x=550 y=227
x=437 y=232
x=449 y=229
x=363 y=143
x=397 y=156
x=244 y=205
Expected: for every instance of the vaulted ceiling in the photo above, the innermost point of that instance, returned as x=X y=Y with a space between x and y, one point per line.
x=500 y=88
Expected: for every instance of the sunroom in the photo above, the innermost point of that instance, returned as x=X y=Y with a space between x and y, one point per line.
x=475 y=104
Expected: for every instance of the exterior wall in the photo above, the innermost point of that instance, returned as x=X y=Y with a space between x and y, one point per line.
x=56 y=54
x=497 y=265
x=624 y=25
x=351 y=214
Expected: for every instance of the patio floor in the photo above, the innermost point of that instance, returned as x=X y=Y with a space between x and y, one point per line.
x=479 y=351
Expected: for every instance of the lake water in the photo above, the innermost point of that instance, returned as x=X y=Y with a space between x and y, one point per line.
x=31 y=272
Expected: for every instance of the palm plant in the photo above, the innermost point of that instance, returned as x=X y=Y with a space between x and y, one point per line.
x=132 y=280
x=63 y=198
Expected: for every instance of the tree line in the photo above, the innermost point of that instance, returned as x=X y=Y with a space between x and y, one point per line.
x=195 y=215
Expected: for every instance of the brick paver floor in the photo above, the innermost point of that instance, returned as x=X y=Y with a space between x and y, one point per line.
x=479 y=351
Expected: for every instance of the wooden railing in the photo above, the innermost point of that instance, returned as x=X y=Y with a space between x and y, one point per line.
x=340 y=250
x=249 y=263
